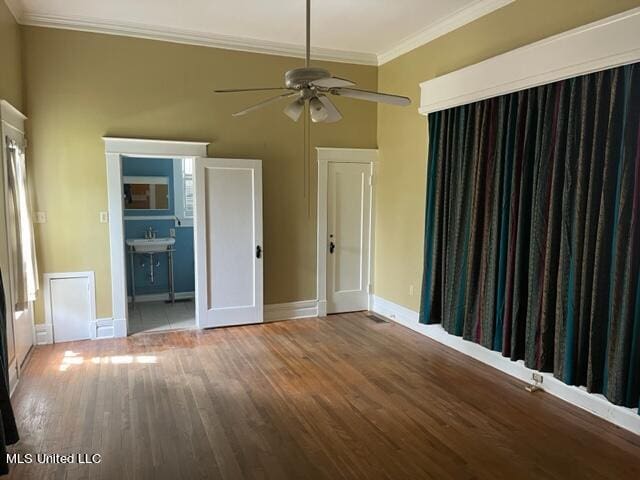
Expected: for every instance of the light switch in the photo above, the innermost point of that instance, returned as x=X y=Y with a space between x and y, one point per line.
x=104 y=217
x=172 y=232
x=41 y=217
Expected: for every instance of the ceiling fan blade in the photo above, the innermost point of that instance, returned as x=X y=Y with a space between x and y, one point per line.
x=264 y=103
x=334 y=114
x=294 y=110
x=238 y=90
x=333 y=82
x=372 y=96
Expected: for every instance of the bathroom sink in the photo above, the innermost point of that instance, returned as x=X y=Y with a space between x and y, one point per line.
x=150 y=244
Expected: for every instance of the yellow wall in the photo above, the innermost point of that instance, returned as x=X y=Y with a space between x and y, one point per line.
x=402 y=133
x=10 y=58
x=82 y=86
x=11 y=91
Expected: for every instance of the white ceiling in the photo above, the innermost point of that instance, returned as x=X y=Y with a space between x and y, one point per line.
x=364 y=31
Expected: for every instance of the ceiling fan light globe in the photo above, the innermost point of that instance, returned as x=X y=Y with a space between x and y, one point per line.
x=294 y=110
x=318 y=111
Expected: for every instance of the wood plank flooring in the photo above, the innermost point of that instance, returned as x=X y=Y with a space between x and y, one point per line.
x=338 y=398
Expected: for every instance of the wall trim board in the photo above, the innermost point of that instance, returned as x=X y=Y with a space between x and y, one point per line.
x=441 y=27
x=607 y=43
x=44 y=333
x=12 y=117
x=159 y=297
x=291 y=310
x=148 y=147
x=13 y=378
x=191 y=37
x=101 y=328
x=325 y=156
x=596 y=404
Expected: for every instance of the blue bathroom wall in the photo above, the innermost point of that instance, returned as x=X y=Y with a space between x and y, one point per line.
x=183 y=257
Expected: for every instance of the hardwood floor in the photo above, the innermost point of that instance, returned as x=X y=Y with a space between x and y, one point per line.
x=341 y=397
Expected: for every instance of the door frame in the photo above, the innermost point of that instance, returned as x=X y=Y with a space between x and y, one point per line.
x=115 y=149
x=327 y=155
x=12 y=124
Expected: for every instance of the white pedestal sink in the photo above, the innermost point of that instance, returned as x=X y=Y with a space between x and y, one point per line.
x=149 y=245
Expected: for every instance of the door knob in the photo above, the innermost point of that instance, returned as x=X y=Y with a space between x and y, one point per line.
x=332 y=247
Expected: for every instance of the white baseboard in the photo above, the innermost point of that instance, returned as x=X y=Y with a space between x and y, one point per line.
x=291 y=310
x=322 y=308
x=596 y=404
x=13 y=377
x=101 y=328
x=108 y=328
x=119 y=327
x=160 y=297
x=44 y=333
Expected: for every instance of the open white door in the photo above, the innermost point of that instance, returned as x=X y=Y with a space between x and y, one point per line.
x=348 y=231
x=228 y=247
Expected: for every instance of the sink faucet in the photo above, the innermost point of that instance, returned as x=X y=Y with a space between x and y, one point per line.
x=149 y=233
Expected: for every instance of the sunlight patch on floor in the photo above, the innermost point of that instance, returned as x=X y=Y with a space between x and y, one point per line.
x=72 y=358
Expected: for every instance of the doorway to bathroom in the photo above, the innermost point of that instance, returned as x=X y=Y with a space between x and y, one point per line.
x=226 y=211
x=158 y=214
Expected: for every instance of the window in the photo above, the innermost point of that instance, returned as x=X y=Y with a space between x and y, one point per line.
x=21 y=244
x=187 y=183
x=183 y=186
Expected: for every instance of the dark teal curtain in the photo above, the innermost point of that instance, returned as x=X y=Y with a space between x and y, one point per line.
x=532 y=243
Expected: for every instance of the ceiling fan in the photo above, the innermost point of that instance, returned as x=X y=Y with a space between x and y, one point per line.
x=312 y=86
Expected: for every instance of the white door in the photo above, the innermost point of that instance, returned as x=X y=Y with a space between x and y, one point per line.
x=348 y=232
x=228 y=232
x=69 y=304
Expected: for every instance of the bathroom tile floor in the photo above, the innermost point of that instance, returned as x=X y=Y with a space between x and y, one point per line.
x=161 y=316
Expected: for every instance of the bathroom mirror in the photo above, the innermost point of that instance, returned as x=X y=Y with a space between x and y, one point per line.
x=146 y=193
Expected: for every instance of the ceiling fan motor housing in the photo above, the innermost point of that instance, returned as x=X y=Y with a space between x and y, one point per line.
x=299 y=78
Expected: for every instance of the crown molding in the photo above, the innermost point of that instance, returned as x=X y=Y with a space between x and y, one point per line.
x=465 y=15
x=190 y=37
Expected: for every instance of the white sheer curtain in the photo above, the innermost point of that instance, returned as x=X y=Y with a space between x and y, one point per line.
x=22 y=244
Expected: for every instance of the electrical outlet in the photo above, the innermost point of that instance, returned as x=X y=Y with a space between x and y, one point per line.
x=41 y=217
x=537 y=377
x=104 y=217
x=172 y=232
x=411 y=290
